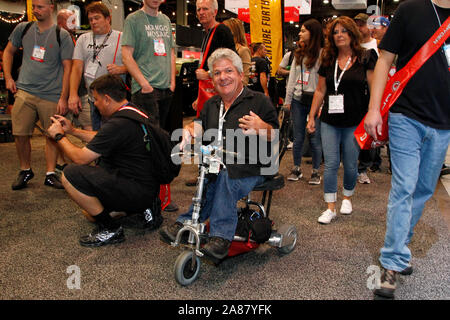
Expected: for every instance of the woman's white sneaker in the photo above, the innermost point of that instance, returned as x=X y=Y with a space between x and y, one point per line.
x=346 y=207
x=327 y=216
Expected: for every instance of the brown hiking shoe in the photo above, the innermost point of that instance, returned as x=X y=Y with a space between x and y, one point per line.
x=216 y=248
x=168 y=234
x=388 y=284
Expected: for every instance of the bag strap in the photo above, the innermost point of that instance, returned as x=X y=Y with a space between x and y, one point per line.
x=117 y=47
x=136 y=115
x=396 y=84
x=205 y=54
x=25 y=30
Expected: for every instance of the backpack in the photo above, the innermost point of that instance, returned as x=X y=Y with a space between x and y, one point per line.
x=28 y=25
x=157 y=142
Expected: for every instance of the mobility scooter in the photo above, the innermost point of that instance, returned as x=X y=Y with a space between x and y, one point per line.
x=284 y=239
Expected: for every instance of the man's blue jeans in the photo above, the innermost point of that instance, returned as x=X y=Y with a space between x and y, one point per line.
x=96 y=117
x=417 y=155
x=220 y=202
x=299 y=114
x=333 y=138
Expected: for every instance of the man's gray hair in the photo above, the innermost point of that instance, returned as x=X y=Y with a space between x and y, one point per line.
x=225 y=53
x=215 y=5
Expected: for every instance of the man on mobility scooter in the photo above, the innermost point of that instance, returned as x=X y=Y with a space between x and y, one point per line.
x=246 y=113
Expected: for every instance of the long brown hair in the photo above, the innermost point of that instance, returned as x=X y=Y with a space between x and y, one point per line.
x=237 y=29
x=330 y=51
x=311 y=51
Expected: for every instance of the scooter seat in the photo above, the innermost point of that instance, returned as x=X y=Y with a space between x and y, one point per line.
x=271 y=183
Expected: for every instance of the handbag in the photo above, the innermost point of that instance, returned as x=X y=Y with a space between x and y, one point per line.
x=307 y=97
x=205 y=87
x=397 y=83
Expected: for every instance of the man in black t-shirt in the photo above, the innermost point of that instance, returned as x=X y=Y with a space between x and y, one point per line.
x=122 y=180
x=249 y=118
x=419 y=128
x=260 y=71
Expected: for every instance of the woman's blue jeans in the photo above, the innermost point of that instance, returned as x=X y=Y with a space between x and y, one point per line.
x=220 y=202
x=333 y=138
x=299 y=114
x=417 y=155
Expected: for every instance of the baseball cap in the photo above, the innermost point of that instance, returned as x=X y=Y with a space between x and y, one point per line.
x=381 y=21
x=361 y=16
x=377 y=22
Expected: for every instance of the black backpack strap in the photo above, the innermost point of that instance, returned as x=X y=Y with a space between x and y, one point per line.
x=135 y=116
x=58 y=35
x=28 y=25
x=25 y=30
x=291 y=57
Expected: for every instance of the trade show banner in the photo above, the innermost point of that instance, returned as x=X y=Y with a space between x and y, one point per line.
x=30 y=11
x=266 y=27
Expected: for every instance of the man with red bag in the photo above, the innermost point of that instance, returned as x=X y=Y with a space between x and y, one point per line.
x=419 y=123
x=217 y=36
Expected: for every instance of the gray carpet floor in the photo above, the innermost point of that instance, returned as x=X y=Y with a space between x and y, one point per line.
x=40 y=227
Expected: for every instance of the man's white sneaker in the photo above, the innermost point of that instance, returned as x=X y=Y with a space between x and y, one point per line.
x=327 y=216
x=346 y=207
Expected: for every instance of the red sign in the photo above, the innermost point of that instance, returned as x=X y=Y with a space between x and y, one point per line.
x=290 y=14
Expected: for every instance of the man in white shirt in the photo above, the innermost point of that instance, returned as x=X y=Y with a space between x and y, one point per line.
x=366 y=157
x=367 y=41
x=96 y=53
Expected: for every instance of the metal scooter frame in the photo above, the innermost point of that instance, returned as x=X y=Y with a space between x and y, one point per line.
x=284 y=239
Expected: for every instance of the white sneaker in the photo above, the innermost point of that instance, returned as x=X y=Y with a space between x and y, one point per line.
x=327 y=216
x=363 y=178
x=346 y=207
x=290 y=146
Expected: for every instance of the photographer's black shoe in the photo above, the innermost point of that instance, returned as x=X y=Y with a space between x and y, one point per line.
x=22 y=179
x=52 y=180
x=171 y=207
x=168 y=234
x=101 y=236
x=152 y=220
x=216 y=248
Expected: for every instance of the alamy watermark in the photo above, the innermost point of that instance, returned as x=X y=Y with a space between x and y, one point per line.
x=239 y=148
x=74 y=280
x=373 y=282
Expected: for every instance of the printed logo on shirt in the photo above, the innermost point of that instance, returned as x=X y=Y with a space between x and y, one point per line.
x=97 y=47
x=157 y=31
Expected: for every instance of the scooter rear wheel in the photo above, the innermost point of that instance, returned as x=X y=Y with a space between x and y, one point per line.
x=291 y=232
x=185 y=272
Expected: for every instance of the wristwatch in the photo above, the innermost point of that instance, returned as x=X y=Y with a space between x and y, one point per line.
x=59 y=136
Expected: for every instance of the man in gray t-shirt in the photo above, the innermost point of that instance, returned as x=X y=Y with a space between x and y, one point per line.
x=42 y=88
x=96 y=53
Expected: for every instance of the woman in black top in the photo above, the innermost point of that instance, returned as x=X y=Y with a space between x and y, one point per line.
x=344 y=74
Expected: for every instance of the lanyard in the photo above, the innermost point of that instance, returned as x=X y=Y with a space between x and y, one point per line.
x=435 y=11
x=46 y=39
x=222 y=119
x=97 y=50
x=336 y=83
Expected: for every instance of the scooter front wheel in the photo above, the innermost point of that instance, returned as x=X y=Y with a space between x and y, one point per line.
x=187 y=267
